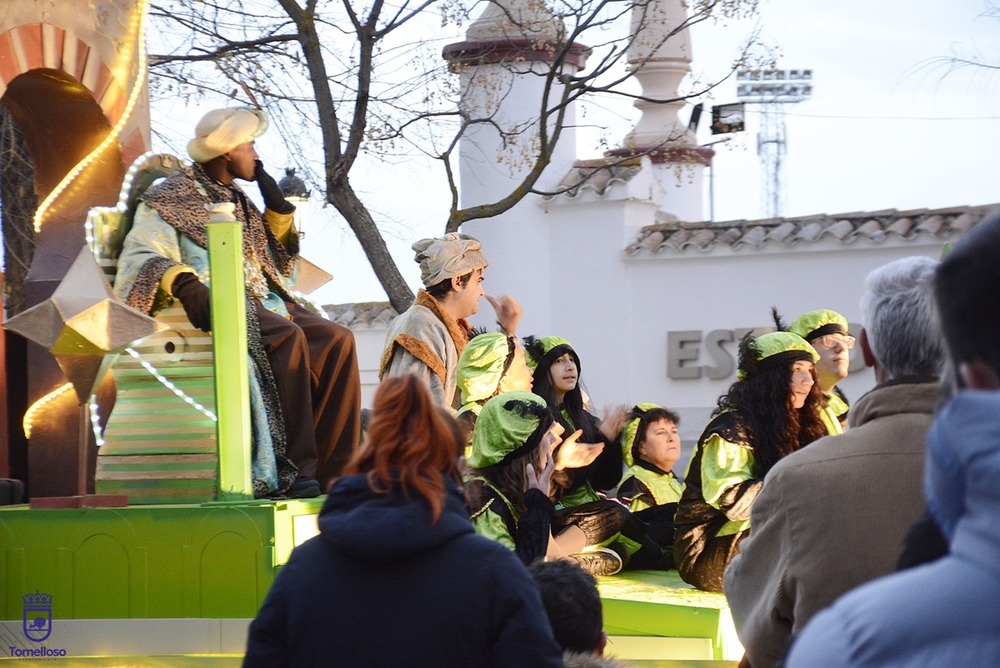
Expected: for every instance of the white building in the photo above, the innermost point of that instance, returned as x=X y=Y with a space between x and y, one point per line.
x=624 y=266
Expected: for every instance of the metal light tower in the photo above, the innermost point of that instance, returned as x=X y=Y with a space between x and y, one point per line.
x=771 y=90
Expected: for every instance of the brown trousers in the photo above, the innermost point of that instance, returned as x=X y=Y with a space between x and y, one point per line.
x=315 y=368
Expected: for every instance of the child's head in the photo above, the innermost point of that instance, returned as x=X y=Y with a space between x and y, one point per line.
x=556 y=369
x=514 y=429
x=650 y=434
x=572 y=604
x=491 y=363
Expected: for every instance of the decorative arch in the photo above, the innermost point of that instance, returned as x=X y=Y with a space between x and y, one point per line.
x=72 y=77
x=35 y=46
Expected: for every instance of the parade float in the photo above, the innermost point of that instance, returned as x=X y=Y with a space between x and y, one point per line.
x=141 y=542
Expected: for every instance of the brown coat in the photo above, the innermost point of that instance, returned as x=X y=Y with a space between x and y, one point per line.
x=830 y=517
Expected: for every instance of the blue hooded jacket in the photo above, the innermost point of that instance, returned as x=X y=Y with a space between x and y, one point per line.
x=382 y=586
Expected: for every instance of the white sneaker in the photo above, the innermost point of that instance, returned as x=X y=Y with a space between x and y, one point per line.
x=598 y=560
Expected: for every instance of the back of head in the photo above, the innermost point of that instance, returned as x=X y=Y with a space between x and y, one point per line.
x=900 y=320
x=409 y=443
x=572 y=604
x=510 y=425
x=482 y=365
x=968 y=301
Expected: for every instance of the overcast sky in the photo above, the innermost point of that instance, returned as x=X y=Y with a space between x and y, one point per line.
x=887 y=127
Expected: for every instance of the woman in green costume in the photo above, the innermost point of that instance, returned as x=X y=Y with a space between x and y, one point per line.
x=597 y=462
x=769 y=412
x=508 y=488
x=590 y=466
x=651 y=446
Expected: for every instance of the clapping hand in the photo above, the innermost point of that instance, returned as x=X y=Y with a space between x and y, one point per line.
x=541 y=481
x=614 y=421
x=573 y=454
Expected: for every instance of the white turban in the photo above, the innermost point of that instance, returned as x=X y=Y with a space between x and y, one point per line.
x=221 y=130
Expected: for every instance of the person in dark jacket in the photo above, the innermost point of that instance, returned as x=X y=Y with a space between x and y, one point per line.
x=397 y=576
x=943 y=613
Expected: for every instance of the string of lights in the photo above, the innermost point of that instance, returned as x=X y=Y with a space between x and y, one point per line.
x=171 y=386
x=138 y=35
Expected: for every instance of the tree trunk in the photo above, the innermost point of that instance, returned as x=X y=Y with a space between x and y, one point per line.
x=343 y=197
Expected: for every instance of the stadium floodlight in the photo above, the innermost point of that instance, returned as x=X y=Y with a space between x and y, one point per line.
x=773 y=86
x=770 y=90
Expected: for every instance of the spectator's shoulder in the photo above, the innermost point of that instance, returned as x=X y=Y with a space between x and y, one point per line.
x=807 y=460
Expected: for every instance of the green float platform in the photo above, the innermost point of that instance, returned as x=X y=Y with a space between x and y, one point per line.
x=178 y=585
x=654 y=615
x=207 y=566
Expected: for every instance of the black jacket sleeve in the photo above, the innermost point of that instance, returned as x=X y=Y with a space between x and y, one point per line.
x=922 y=543
x=532 y=536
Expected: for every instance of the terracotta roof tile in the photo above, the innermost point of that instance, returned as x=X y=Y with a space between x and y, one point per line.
x=871 y=226
x=597 y=175
x=361 y=315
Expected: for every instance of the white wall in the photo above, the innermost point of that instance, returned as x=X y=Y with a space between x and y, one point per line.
x=617 y=310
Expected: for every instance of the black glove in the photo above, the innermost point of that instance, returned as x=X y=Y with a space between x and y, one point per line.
x=194 y=296
x=274 y=199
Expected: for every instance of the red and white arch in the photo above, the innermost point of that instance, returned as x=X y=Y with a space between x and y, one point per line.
x=35 y=46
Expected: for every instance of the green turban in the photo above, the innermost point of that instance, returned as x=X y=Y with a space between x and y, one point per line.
x=482 y=365
x=774 y=349
x=510 y=424
x=544 y=349
x=815 y=324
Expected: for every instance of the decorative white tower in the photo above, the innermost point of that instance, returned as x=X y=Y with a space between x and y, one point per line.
x=660 y=59
x=503 y=64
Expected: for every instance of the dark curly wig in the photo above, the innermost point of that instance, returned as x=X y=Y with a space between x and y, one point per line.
x=764 y=407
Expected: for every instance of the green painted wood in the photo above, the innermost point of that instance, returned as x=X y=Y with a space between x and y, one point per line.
x=232 y=375
x=659 y=603
x=212 y=560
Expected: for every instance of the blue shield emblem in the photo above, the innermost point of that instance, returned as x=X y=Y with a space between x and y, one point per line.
x=37 y=623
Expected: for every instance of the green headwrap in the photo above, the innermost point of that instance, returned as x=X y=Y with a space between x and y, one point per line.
x=510 y=424
x=544 y=349
x=815 y=324
x=776 y=348
x=482 y=365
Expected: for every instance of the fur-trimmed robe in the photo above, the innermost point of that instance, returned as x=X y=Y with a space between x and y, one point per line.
x=426 y=341
x=169 y=230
